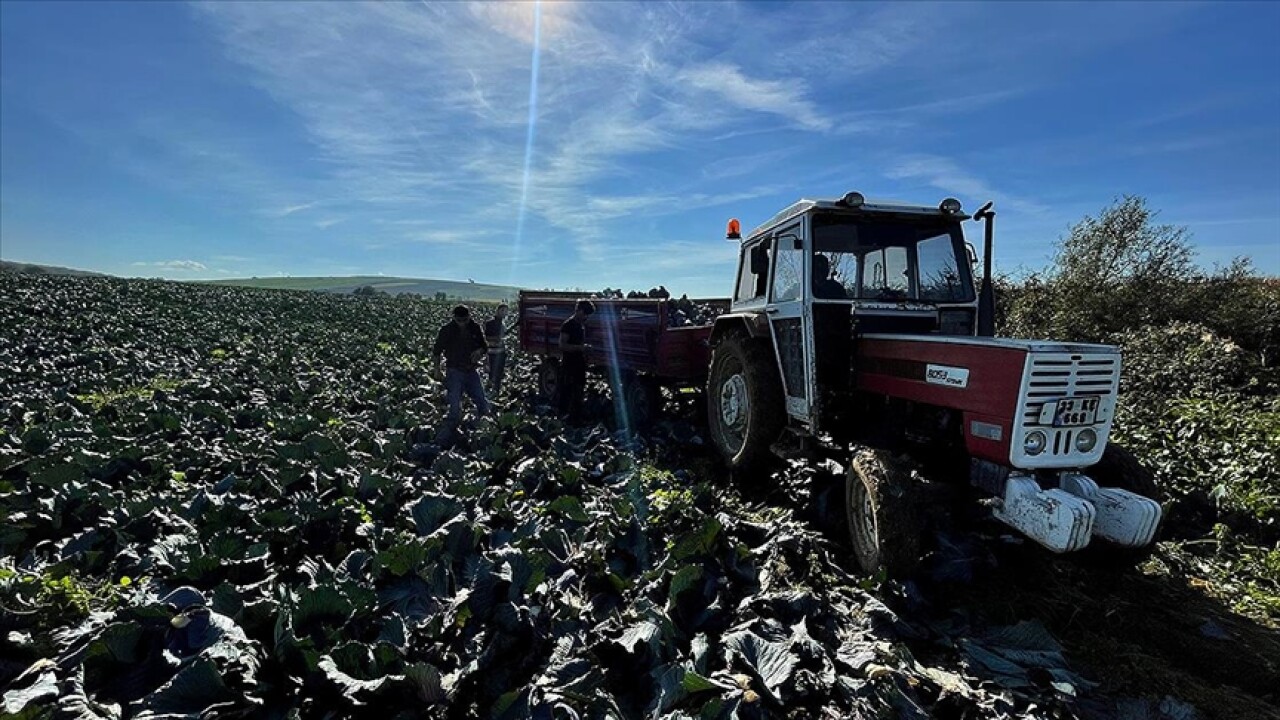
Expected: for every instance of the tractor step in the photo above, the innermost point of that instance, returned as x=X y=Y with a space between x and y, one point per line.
x=793 y=445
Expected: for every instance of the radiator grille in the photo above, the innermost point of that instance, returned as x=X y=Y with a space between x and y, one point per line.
x=1053 y=376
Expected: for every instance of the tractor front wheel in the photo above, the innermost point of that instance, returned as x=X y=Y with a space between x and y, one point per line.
x=745 y=406
x=1120 y=468
x=885 y=525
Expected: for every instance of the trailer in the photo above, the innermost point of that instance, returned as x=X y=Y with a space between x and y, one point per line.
x=634 y=345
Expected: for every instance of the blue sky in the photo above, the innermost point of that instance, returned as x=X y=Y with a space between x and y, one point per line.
x=255 y=138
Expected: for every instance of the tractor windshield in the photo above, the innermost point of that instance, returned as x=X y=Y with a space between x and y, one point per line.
x=867 y=258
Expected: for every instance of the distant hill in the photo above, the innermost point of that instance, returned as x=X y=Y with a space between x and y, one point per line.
x=35 y=269
x=391 y=285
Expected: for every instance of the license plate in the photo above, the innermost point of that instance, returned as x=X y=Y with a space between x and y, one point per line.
x=1070 y=412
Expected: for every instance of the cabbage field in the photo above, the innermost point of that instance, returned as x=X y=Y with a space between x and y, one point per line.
x=231 y=502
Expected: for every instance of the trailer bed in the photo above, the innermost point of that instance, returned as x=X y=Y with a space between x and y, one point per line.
x=629 y=335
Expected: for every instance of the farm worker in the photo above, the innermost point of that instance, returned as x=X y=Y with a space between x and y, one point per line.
x=462 y=344
x=824 y=287
x=495 y=332
x=573 y=360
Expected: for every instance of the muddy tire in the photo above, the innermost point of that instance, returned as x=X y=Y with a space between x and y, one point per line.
x=1120 y=468
x=886 y=525
x=746 y=410
x=549 y=380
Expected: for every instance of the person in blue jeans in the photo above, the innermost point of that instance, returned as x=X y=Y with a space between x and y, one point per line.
x=495 y=333
x=462 y=345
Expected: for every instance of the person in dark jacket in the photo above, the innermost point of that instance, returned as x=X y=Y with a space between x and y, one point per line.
x=495 y=333
x=573 y=360
x=462 y=344
x=824 y=286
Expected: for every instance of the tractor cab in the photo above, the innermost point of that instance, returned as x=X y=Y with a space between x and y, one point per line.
x=822 y=272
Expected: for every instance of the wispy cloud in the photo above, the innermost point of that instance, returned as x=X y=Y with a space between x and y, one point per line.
x=423 y=108
x=946 y=175
x=421 y=114
x=291 y=209
x=785 y=98
x=456 y=238
x=181 y=265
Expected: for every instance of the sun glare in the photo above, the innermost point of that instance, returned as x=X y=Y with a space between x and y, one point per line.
x=528 y=140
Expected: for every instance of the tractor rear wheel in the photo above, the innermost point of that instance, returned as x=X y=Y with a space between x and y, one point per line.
x=549 y=380
x=745 y=405
x=885 y=522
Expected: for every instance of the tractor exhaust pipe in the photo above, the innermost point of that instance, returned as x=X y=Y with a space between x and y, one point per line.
x=987 y=297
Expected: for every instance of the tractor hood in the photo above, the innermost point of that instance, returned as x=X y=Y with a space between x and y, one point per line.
x=1037 y=346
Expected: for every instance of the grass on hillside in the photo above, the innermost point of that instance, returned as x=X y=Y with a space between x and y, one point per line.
x=392 y=285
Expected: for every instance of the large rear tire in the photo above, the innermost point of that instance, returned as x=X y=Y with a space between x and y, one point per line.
x=884 y=519
x=746 y=409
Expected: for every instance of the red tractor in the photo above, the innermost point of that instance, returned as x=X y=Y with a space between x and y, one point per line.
x=856 y=325
x=855 y=328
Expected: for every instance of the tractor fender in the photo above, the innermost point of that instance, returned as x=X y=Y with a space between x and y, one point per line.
x=754 y=324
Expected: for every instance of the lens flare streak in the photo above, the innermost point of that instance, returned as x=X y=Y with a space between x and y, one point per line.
x=621 y=414
x=529 y=138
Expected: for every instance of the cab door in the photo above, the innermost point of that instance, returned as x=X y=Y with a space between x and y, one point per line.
x=790 y=319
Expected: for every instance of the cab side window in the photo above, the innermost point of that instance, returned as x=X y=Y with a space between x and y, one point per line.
x=753 y=273
x=788 y=270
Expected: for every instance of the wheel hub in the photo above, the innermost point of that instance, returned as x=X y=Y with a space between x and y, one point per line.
x=734 y=405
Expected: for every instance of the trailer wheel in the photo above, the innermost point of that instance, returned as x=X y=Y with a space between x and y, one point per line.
x=745 y=409
x=885 y=526
x=642 y=400
x=549 y=380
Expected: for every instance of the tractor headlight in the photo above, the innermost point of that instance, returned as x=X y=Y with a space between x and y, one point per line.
x=1035 y=442
x=1086 y=440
